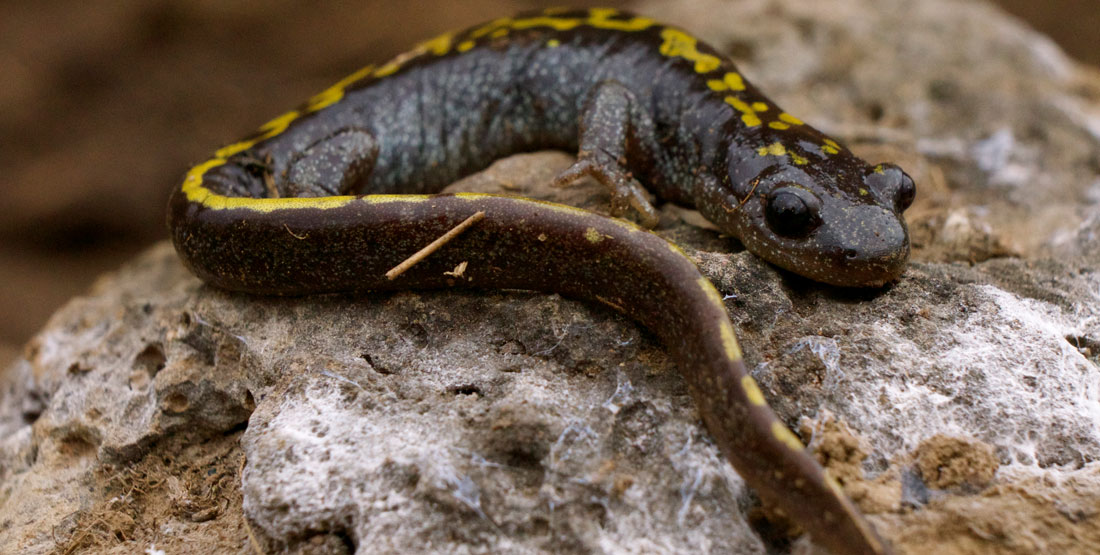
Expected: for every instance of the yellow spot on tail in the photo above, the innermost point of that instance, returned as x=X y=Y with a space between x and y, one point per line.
x=725 y=329
x=556 y=23
x=729 y=341
x=748 y=115
x=553 y=43
x=384 y=199
x=752 y=391
x=389 y=68
x=863 y=192
x=831 y=147
x=439 y=45
x=498 y=33
x=593 y=236
x=778 y=125
x=879 y=169
x=680 y=44
x=465 y=45
x=230 y=150
x=490 y=27
x=194 y=177
x=760 y=106
x=834 y=485
x=785 y=436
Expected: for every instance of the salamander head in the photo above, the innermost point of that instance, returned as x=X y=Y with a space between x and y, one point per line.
x=836 y=220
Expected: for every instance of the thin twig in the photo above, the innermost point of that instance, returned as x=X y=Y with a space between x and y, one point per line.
x=434 y=246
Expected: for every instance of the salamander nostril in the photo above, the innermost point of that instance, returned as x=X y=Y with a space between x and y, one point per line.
x=850 y=254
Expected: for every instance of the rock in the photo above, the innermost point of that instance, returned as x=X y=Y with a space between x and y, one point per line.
x=958 y=407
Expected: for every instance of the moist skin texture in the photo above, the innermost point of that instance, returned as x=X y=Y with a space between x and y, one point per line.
x=331 y=195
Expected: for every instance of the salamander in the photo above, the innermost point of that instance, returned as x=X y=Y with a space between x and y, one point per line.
x=329 y=196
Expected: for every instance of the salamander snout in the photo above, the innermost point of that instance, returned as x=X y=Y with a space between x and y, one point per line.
x=869 y=248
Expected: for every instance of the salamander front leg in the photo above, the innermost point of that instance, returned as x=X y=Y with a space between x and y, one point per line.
x=612 y=124
x=338 y=164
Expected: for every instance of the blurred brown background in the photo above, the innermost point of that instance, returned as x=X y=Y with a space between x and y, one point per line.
x=104 y=105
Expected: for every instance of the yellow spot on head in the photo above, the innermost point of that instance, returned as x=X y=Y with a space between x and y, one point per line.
x=498 y=33
x=680 y=44
x=831 y=147
x=863 y=192
x=785 y=436
x=748 y=115
x=553 y=43
x=731 y=81
x=879 y=169
x=600 y=18
x=465 y=45
x=777 y=149
x=760 y=106
x=752 y=391
x=787 y=118
x=774 y=149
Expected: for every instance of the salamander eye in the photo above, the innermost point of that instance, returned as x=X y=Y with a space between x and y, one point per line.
x=892 y=185
x=792 y=211
x=907 y=191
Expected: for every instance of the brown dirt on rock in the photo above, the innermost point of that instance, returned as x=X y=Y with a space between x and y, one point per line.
x=192 y=489
x=950 y=462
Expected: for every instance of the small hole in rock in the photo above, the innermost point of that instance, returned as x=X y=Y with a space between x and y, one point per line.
x=1085 y=345
x=78 y=368
x=466 y=390
x=150 y=360
x=75 y=445
x=876 y=111
x=376 y=366
x=176 y=402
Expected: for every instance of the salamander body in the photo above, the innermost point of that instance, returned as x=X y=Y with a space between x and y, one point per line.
x=329 y=196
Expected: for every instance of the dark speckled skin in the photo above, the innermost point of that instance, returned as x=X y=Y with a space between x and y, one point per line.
x=308 y=205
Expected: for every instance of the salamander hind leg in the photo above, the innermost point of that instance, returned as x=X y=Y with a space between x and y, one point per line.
x=338 y=164
x=611 y=123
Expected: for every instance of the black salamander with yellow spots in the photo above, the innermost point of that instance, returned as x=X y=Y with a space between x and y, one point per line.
x=330 y=196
